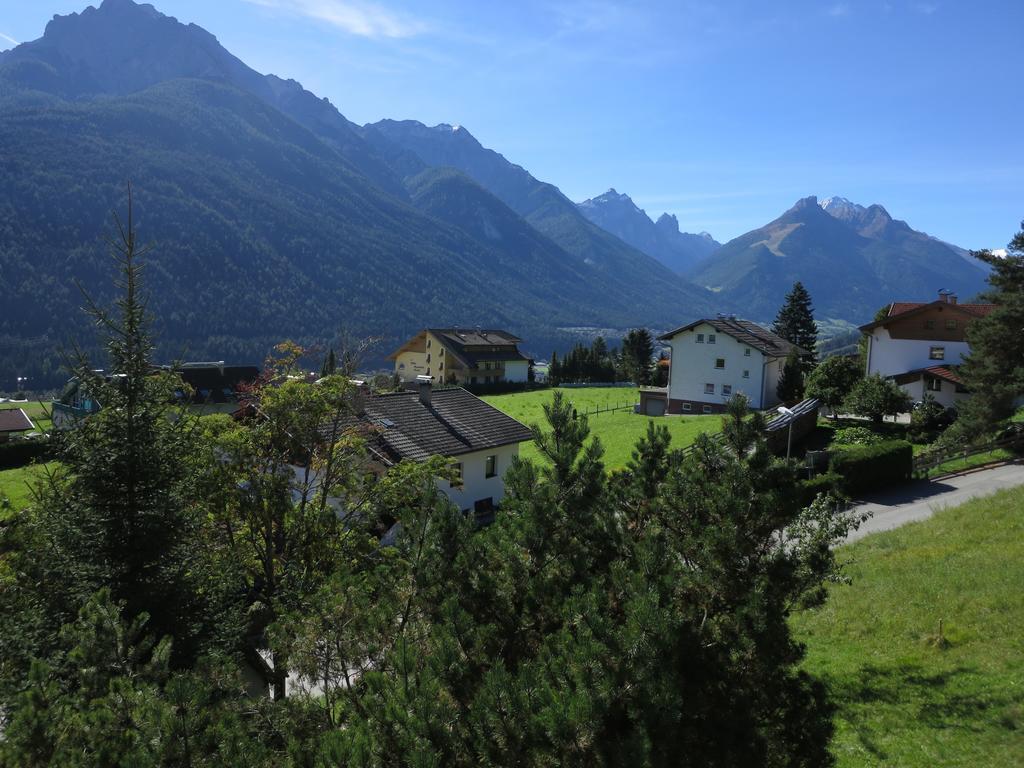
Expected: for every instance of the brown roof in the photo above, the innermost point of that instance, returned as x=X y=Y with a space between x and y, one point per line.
x=455 y=422
x=473 y=337
x=745 y=332
x=947 y=372
x=901 y=308
x=15 y=420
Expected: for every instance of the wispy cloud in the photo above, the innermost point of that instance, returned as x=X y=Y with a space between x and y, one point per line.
x=9 y=39
x=926 y=8
x=838 y=9
x=355 y=17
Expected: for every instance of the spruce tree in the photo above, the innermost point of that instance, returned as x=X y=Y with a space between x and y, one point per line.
x=994 y=369
x=790 y=388
x=121 y=512
x=795 y=322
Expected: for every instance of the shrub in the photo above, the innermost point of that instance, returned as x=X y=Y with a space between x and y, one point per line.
x=22 y=452
x=857 y=436
x=829 y=482
x=876 y=397
x=871 y=467
x=928 y=419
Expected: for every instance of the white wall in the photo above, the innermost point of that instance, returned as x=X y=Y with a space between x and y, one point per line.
x=475 y=486
x=889 y=357
x=693 y=366
x=946 y=397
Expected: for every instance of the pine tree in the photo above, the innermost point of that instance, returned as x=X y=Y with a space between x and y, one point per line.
x=790 y=388
x=795 y=323
x=330 y=365
x=638 y=356
x=122 y=511
x=994 y=369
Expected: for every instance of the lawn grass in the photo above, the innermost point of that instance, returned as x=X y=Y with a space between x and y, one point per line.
x=618 y=430
x=907 y=695
x=14 y=484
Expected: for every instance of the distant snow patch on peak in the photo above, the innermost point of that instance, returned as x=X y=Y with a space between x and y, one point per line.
x=838 y=206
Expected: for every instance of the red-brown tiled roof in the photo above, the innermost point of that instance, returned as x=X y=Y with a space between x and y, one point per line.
x=944 y=372
x=15 y=420
x=899 y=307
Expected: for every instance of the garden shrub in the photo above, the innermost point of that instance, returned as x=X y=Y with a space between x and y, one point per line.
x=871 y=467
x=828 y=482
x=19 y=453
x=857 y=436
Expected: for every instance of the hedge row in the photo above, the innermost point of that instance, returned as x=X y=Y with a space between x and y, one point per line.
x=867 y=468
x=828 y=482
x=21 y=452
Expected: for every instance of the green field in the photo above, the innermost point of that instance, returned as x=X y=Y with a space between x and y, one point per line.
x=618 y=430
x=907 y=695
x=14 y=484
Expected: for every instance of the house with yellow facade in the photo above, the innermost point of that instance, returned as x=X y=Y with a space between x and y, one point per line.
x=462 y=356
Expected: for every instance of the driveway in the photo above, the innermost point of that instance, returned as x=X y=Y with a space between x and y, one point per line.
x=920 y=499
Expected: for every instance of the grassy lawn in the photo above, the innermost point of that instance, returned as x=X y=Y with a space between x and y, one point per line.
x=618 y=430
x=907 y=696
x=14 y=484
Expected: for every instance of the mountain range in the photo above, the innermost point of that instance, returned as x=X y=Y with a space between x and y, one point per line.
x=618 y=214
x=852 y=259
x=273 y=216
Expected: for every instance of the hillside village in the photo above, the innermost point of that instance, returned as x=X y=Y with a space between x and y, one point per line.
x=334 y=437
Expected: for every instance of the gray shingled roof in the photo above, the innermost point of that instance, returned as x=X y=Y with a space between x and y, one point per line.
x=15 y=420
x=474 y=337
x=454 y=423
x=745 y=332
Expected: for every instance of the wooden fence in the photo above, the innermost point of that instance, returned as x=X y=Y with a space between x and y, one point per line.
x=924 y=462
x=597 y=409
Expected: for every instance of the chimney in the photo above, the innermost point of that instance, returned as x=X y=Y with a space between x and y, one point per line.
x=359 y=392
x=424 y=383
x=944 y=295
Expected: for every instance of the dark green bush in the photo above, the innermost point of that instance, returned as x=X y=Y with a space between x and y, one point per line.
x=829 y=482
x=21 y=452
x=871 y=467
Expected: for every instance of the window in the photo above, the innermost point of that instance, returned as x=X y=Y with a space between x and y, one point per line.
x=709 y=389
x=428 y=343
x=457 y=480
x=428 y=370
x=727 y=389
x=720 y=362
x=746 y=352
x=441 y=366
x=711 y=338
x=700 y=338
x=687 y=407
x=929 y=325
x=472 y=379
x=937 y=353
x=440 y=352
x=428 y=357
x=746 y=374
x=934 y=385
x=951 y=325
x=491 y=466
x=706 y=409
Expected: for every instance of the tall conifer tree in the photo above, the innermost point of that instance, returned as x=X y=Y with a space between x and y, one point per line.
x=795 y=322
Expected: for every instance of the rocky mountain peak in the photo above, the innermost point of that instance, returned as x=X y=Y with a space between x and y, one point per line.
x=669 y=222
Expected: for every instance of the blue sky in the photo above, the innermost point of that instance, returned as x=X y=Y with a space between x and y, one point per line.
x=722 y=112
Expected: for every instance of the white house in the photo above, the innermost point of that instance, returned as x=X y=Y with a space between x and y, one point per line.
x=714 y=359
x=920 y=344
x=418 y=424
x=462 y=356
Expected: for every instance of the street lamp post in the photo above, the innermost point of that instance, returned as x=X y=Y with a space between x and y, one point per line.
x=789 y=441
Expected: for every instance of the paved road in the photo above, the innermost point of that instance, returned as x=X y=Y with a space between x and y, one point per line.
x=920 y=499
